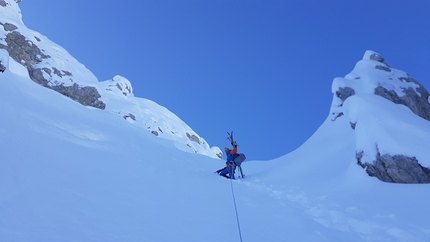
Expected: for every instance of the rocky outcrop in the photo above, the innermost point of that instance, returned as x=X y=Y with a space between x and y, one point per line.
x=2 y=67
x=193 y=138
x=344 y=92
x=22 y=50
x=4 y=60
x=120 y=86
x=26 y=52
x=396 y=169
x=87 y=96
x=373 y=75
x=8 y=27
x=415 y=100
x=412 y=95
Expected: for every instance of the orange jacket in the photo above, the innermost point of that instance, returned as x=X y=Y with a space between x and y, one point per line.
x=233 y=151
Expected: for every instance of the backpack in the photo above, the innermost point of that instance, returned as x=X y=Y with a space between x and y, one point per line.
x=238 y=161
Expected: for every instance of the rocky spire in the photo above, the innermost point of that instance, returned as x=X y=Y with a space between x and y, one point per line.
x=373 y=76
x=394 y=85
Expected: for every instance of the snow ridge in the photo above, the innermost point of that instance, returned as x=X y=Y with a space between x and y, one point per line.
x=53 y=67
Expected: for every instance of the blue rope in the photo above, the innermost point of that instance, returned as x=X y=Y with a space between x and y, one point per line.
x=235 y=208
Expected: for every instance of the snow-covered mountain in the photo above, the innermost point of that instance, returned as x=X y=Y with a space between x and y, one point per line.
x=51 y=66
x=70 y=172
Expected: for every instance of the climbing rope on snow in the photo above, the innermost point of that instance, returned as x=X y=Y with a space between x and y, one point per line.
x=235 y=208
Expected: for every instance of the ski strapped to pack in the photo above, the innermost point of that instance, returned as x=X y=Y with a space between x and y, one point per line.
x=241 y=157
x=231 y=139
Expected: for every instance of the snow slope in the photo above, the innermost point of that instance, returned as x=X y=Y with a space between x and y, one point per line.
x=73 y=173
x=59 y=68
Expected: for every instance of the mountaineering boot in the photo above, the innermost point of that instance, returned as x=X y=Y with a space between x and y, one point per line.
x=224 y=175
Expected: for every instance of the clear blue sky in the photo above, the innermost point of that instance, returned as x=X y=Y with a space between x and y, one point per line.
x=263 y=69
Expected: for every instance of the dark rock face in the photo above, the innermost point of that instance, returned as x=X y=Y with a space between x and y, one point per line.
x=344 y=92
x=129 y=116
x=8 y=27
x=396 y=169
x=2 y=67
x=418 y=104
x=87 y=96
x=376 y=57
x=24 y=51
x=154 y=132
x=193 y=138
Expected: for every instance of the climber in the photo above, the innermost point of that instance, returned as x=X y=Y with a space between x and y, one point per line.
x=230 y=166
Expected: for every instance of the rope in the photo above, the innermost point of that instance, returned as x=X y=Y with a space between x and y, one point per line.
x=235 y=208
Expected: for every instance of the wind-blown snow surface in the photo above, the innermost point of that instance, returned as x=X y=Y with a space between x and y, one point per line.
x=73 y=173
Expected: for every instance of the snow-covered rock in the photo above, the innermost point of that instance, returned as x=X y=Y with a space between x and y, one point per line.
x=47 y=63
x=358 y=93
x=4 y=60
x=51 y=66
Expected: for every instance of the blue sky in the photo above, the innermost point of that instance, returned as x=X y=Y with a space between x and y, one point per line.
x=263 y=69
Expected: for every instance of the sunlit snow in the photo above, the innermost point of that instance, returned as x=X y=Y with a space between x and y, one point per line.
x=73 y=173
